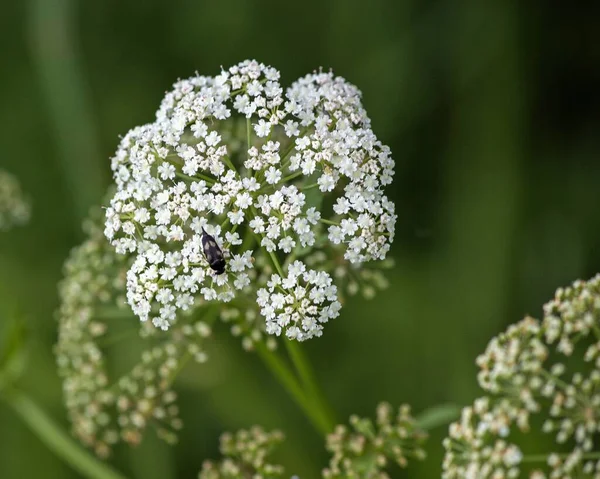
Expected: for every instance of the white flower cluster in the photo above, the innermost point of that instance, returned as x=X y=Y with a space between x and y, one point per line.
x=342 y=148
x=487 y=453
x=234 y=157
x=545 y=371
x=106 y=407
x=282 y=214
x=300 y=303
x=367 y=448
x=245 y=454
x=14 y=208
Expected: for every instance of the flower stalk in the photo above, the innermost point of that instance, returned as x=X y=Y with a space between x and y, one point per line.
x=56 y=439
x=307 y=376
x=290 y=383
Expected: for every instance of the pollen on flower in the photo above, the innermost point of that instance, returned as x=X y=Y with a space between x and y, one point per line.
x=250 y=163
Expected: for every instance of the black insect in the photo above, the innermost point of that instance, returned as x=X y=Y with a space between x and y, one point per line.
x=213 y=253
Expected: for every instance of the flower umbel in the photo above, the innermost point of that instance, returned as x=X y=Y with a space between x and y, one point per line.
x=537 y=371
x=246 y=456
x=300 y=303
x=368 y=449
x=107 y=406
x=269 y=174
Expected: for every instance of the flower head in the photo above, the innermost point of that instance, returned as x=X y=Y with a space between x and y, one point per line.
x=236 y=156
x=300 y=303
x=107 y=405
x=246 y=455
x=368 y=448
x=544 y=371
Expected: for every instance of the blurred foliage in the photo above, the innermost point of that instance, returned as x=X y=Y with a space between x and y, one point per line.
x=491 y=110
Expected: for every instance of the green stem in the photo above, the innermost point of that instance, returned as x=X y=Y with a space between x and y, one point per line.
x=57 y=440
x=248 y=240
x=248 y=127
x=231 y=165
x=307 y=376
x=276 y=263
x=183 y=176
x=292 y=256
x=328 y=222
x=562 y=384
x=291 y=177
x=290 y=149
x=198 y=176
x=437 y=416
x=596 y=331
x=288 y=380
x=183 y=361
x=314 y=404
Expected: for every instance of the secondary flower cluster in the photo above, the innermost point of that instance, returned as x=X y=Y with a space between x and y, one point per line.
x=105 y=405
x=245 y=456
x=369 y=449
x=300 y=303
x=14 y=207
x=265 y=173
x=544 y=371
x=365 y=450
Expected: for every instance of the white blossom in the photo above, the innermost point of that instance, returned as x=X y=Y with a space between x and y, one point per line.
x=246 y=453
x=544 y=371
x=236 y=156
x=300 y=303
x=106 y=406
x=367 y=448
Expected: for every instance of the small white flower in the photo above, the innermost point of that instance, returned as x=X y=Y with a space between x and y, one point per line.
x=273 y=175
x=243 y=200
x=291 y=128
x=286 y=244
x=166 y=171
x=213 y=138
x=262 y=128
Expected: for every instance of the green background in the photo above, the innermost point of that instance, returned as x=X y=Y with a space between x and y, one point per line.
x=492 y=113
